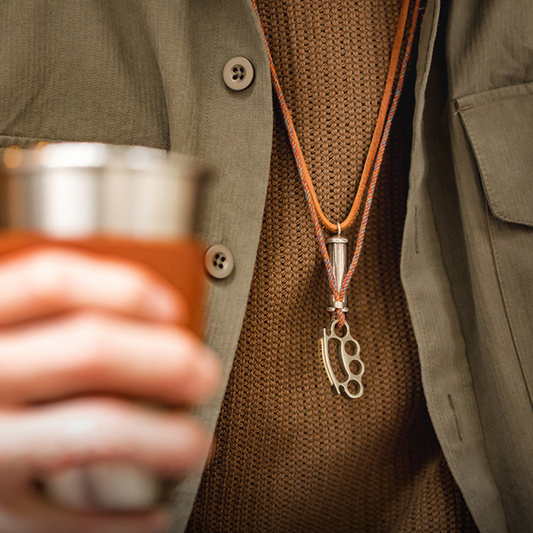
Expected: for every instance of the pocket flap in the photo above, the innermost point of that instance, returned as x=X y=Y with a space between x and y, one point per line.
x=499 y=125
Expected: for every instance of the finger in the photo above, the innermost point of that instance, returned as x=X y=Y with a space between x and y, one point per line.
x=55 y=437
x=44 y=281
x=104 y=353
x=34 y=515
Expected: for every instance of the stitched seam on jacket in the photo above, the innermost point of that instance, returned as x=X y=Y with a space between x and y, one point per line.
x=525 y=89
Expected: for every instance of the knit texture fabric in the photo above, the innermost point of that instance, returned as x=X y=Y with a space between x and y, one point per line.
x=289 y=456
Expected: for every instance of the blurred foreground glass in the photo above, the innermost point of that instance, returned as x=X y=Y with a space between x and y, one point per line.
x=72 y=190
x=137 y=203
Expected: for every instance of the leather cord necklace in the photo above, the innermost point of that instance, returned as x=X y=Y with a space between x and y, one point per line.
x=348 y=382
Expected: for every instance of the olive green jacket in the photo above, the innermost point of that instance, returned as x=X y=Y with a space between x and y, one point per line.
x=149 y=72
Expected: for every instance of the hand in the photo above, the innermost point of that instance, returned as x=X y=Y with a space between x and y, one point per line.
x=82 y=341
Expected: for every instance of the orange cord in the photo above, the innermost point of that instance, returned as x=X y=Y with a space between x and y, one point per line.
x=333 y=227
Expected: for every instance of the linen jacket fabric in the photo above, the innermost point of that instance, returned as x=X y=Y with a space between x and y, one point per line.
x=150 y=73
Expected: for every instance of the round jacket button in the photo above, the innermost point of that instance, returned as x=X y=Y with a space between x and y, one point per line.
x=219 y=261
x=238 y=73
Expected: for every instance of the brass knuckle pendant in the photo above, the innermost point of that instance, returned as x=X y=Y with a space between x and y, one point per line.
x=346 y=352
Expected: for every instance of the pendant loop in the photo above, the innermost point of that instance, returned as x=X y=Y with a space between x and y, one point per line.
x=337 y=250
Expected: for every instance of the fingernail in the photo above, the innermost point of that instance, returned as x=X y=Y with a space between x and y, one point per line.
x=161 y=304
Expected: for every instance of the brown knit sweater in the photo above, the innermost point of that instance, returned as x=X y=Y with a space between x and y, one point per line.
x=289 y=456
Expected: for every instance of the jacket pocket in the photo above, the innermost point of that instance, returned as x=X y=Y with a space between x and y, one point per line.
x=499 y=126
